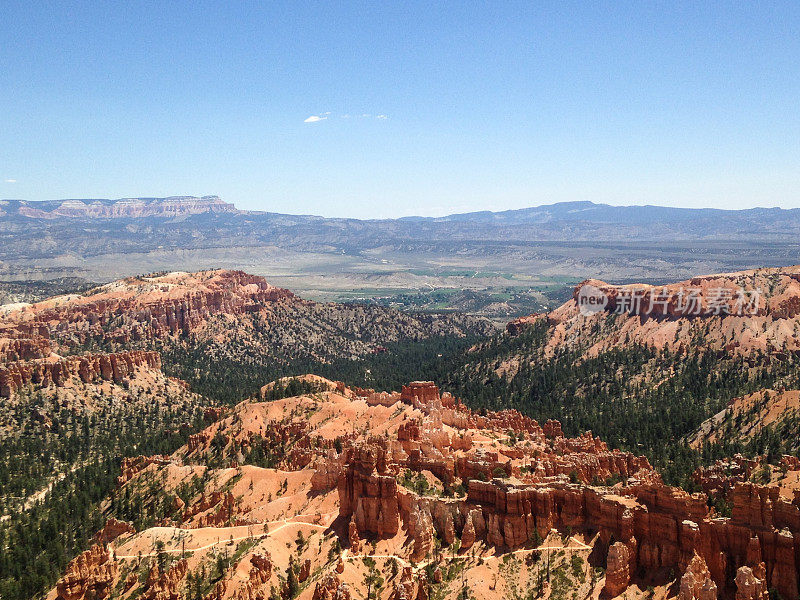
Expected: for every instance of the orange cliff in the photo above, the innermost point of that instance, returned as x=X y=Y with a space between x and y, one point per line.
x=90 y=368
x=655 y=526
x=742 y=313
x=137 y=308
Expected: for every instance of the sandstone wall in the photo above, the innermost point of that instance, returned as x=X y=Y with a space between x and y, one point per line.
x=98 y=367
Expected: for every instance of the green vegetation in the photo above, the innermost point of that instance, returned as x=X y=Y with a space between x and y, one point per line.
x=85 y=450
x=415 y=482
x=634 y=398
x=228 y=380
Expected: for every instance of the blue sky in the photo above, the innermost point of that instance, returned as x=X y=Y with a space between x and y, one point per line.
x=429 y=108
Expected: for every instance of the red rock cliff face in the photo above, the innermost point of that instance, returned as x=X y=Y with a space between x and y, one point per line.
x=24 y=342
x=618 y=570
x=147 y=308
x=423 y=391
x=663 y=527
x=98 y=367
x=656 y=527
x=367 y=494
x=743 y=313
x=89 y=575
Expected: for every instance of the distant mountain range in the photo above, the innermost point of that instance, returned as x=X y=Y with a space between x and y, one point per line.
x=565 y=213
x=585 y=211
x=105 y=239
x=174 y=206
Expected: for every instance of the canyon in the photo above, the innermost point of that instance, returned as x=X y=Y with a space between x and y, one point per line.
x=317 y=488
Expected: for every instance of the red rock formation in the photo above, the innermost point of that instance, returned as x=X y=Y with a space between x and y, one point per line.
x=775 y=521
x=89 y=575
x=331 y=587
x=218 y=592
x=698 y=297
x=378 y=399
x=552 y=429
x=719 y=478
x=520 y=324
x=661 y=527
x=260 y=573
x=132 y=466
x=198 y=440
x=410 y=587
x=790 y=463
x=91 y=368
x=419 y=392
x=327 y=472
x=305 y=570
x=112 y=530
x=177 y=504
x=219 y=508
x=696 y=582
x=212 y=414
x=166 y=586
x=24 y=342
x=420 y=529
x=353 y=537
x=139 y=309
x=468 y=533
x=367 y=493
x=131 y=580
x=262 y=562
x=481 y=465
x=751 y=583
x=618 y=575
x=409 y=431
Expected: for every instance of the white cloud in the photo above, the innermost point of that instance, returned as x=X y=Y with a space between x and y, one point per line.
x=325 y=115
x=11 y=181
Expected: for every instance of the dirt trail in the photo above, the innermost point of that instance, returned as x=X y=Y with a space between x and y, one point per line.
x=219 y=531
x=581 y=547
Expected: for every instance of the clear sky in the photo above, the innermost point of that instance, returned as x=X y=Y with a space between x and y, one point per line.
x=417 y=108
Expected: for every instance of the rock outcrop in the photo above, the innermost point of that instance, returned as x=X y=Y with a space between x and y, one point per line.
x=618 y=574
x=419 y=392
x=112 y=530
x=133 y=465
x=99 y=367
x=167 y=585
x=367 y=493
x=304 y=571
x=125 y=208
x=521 y=324
x=262 y=563
x=750 y=583
x=88 y=576
x=331 y=587
x=696 y=582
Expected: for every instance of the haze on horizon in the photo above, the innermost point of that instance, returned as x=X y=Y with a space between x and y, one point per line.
x=366 y=112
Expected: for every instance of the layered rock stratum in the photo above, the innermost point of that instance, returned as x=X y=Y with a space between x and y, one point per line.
x=232 y=313
x=740 y=313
